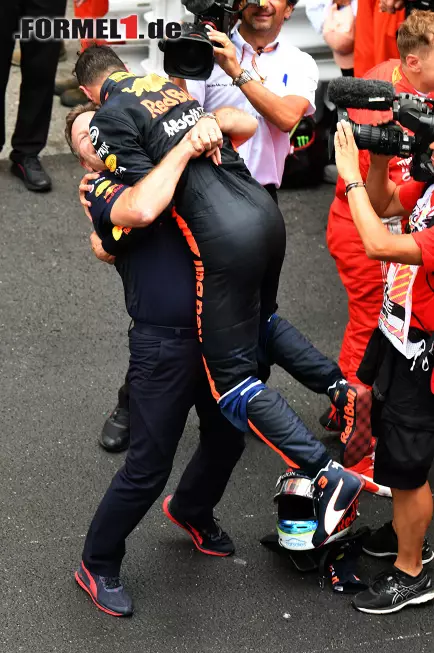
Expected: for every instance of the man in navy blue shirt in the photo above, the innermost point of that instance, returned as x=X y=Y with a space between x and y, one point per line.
x=166 y=377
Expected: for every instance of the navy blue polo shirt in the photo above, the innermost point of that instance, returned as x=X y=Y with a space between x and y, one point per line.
x=154 y=262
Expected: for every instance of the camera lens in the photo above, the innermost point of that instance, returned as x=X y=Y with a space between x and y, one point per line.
x=383 y=140
x=190 y=57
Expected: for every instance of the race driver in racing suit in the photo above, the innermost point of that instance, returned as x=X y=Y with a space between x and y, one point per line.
x=363 y=278
x=237 y=236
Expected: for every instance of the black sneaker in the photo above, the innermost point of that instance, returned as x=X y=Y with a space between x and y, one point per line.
x=115 y=435
x=107 y=593
x=393 y=590
x=383 y=543
x=210 y=539
x=29 y=169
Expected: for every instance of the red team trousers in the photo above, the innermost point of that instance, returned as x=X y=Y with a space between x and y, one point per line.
x=363 y=281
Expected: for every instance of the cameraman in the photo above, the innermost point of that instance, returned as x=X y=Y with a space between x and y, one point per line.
x=262 y=74
x=363 y=278
x=399 y=364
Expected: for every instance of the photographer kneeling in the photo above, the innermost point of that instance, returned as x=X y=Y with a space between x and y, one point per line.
x=398 y=363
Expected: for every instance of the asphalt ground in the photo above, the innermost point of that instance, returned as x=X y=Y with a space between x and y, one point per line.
x=63 y=353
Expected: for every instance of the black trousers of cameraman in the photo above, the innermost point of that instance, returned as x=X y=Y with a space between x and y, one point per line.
x=39 y=61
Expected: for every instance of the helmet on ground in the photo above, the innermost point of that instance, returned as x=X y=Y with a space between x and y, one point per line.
x=296 y=519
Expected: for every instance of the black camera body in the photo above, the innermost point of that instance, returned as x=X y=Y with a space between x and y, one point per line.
x=191 y=56
x=221 y=16
x=409 y=111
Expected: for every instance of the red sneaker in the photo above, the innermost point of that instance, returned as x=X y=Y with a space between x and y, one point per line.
x=209 y=539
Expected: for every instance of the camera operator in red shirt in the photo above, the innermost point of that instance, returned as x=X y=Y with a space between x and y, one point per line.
x=399 y=364
x=363 y=278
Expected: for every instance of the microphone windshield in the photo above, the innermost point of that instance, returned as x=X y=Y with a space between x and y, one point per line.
x=349 y=92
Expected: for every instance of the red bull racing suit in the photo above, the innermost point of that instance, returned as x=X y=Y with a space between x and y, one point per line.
x=237 y=237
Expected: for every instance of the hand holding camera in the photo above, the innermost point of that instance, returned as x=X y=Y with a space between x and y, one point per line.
x=347 y=153
x=193 y=54
x=225 y=53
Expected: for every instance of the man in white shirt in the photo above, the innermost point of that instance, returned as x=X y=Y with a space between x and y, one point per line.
x=258 y=71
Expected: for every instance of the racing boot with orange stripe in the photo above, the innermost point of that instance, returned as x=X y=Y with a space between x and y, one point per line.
x=335 y=490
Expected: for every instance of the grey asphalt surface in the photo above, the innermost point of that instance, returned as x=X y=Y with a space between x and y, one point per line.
x=63 y=352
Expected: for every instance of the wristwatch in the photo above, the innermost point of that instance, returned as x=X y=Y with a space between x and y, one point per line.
x=243 y=78
x=209 y=114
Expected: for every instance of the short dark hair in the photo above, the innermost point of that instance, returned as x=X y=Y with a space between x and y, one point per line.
x=70 y=119
x=96 y=61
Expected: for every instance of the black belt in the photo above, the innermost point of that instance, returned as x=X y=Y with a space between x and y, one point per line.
x=163 y=332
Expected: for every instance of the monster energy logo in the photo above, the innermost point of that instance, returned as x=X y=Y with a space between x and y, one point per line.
x=302 y=141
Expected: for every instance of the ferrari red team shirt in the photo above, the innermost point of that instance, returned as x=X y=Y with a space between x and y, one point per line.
x=411 y=287
x=421 y=225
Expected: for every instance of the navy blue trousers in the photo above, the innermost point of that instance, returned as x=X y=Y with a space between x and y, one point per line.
x=166 y=378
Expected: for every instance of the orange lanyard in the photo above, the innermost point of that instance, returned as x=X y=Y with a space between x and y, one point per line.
x=254 y=64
